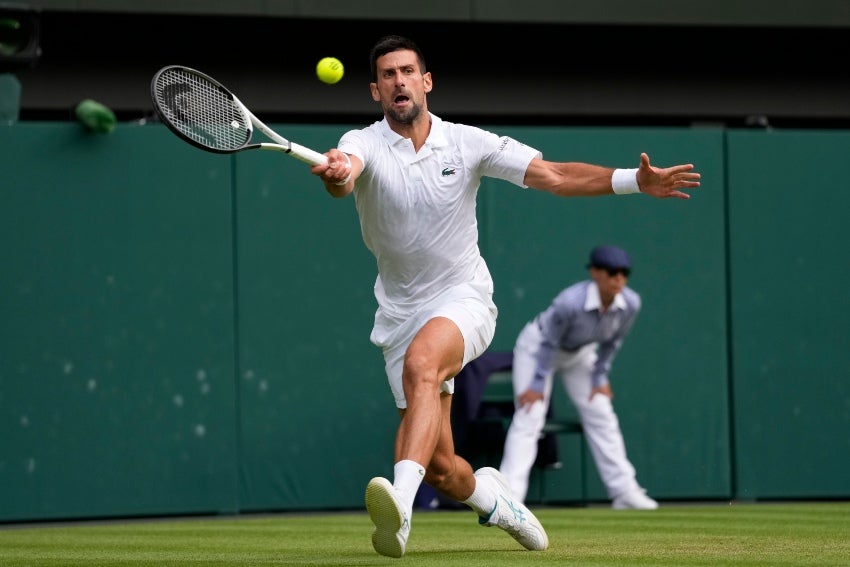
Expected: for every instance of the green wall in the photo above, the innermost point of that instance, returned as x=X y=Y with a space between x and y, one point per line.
x=117 y=333
x=183 y=332
x=789 y=258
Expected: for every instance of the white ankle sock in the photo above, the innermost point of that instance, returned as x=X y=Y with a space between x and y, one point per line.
x=408 y=476
x=483 y=498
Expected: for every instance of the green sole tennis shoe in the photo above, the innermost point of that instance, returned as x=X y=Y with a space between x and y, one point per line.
x=392 y=525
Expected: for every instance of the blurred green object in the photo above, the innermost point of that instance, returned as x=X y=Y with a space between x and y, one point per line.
x=20 y=36
x=96 y=116
x=10 y=36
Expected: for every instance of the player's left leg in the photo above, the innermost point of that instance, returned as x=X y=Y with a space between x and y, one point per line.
x=486 y=492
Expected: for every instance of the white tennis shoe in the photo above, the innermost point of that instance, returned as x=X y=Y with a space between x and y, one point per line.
x=392 y=522
x=511 y=514
x=635 y=499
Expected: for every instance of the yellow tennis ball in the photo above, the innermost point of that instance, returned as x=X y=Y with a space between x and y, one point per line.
x=330 y=70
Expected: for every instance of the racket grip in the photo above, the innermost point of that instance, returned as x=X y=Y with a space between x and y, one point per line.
x=306 y=154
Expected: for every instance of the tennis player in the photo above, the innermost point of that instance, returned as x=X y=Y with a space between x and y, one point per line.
x=415 y=178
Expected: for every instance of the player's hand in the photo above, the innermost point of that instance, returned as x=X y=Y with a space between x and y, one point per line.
x=336 y=173
x=668 y=181
x=336 y=169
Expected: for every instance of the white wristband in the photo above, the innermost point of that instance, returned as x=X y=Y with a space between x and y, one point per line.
x=348 y=177
x=624 y=181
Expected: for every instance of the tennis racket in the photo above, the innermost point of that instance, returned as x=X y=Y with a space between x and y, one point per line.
x=201 y=111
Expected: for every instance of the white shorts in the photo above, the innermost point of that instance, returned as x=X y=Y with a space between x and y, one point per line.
x=469 y=306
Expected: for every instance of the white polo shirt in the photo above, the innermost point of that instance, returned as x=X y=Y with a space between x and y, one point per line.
x=417 y=210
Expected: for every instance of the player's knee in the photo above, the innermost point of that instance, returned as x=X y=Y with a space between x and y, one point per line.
x=420 y=372
x=438 y=471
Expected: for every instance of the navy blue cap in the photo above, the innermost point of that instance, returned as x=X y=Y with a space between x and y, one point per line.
x=609 y=257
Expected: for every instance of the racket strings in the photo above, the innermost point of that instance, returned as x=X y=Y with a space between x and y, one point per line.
x=201 y=110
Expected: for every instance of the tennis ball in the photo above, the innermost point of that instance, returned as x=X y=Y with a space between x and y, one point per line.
x=330 y=70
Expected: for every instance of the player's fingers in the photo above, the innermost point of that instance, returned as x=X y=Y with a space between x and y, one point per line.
x=682 y=168
x=347 y=164
x=685 y=179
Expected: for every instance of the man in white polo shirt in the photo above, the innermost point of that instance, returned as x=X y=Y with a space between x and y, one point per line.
x=415 y=179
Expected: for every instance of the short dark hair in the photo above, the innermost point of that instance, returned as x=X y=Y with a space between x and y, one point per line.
x=390 y=43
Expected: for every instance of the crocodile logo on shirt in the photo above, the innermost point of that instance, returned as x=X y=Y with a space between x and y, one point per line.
x=448 y=171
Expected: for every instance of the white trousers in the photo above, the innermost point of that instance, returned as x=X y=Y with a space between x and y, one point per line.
x=600 y=423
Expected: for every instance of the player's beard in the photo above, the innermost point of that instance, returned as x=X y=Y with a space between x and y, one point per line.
x=405 y=117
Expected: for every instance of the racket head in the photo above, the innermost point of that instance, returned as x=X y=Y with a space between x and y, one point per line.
x=200 y=110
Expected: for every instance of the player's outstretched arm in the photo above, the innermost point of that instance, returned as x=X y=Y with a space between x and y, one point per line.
x=577 y=179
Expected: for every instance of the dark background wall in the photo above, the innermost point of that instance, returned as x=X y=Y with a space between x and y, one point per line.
x=606 y=62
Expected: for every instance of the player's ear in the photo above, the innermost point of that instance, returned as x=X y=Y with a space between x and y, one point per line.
x=376 y=96
x=427 y=81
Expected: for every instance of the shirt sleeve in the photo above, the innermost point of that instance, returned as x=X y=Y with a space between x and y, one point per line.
x=502 y=157
x=354 y=142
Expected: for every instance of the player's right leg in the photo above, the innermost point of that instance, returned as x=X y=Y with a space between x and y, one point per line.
x=434 y=355
x=390 y=516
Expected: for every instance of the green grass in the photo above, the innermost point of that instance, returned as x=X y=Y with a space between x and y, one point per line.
x=758 y=534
